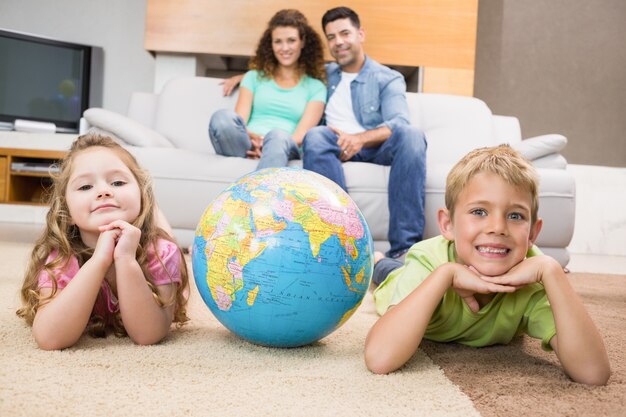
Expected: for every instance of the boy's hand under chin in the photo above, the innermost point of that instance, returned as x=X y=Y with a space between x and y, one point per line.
x=467 y=282
x=529 y=271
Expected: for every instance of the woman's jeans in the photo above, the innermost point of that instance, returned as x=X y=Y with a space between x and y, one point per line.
x=405 y=151
x=229 y=137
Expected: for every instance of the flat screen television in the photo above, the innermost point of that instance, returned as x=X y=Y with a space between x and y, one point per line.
x=47 y=80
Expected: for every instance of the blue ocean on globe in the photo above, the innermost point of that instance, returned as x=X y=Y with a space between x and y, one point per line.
x=282 y=257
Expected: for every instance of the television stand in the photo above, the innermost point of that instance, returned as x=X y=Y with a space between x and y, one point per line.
x=25 y=160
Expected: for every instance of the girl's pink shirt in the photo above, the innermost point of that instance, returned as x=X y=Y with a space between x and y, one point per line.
x=168 y=252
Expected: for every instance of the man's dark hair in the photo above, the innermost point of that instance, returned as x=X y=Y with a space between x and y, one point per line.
x=341 y=13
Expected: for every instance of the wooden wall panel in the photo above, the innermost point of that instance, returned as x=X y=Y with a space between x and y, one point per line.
x=425 y=33
x=448 y=81
x=436 y=33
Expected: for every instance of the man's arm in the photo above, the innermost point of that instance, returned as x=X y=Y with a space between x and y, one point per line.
x=394 y=112
x=230 y=84
x=393 y=104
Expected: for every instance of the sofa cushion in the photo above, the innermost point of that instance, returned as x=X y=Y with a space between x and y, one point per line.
x=453 y=125
x=128 y=130
x=184 y=110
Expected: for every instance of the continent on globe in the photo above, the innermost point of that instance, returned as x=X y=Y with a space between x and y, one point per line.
x=282 y=257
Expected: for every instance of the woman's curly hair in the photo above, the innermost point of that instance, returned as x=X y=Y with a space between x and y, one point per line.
x=311 y=60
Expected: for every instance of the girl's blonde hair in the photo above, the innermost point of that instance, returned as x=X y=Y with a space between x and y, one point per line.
x=502 y=161
x=64 y=237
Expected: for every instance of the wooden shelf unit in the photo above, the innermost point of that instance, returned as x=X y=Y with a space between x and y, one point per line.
x=28 y=187
x=25 y=187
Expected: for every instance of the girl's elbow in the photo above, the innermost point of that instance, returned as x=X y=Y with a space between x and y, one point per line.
x=50 y=346
x=148 y=338
x=51 y=342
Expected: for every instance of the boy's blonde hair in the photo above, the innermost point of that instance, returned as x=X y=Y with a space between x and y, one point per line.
x=64 y=237
x=502 y=161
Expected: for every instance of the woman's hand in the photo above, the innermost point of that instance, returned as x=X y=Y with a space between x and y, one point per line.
x=257 y=146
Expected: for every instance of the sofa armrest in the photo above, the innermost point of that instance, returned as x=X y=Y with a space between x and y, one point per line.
x=540 y=146
x=125 y=129
x=553 y=161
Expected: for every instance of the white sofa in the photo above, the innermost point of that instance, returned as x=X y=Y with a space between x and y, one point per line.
x=167 y=132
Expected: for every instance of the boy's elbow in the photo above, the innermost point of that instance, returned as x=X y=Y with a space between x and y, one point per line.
x=378 y=367
x=596 y=375
x=378 y=362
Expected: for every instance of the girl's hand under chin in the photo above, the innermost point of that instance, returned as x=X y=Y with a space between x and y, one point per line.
x=127 y=239
x=105 y=247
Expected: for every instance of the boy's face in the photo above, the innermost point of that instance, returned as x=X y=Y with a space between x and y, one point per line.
x=491 y=226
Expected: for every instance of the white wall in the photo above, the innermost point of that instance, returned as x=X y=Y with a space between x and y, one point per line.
x=117 y=26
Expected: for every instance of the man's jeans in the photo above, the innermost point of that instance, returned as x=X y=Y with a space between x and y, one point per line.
x=229 y=137
x=383 y=268
x=405 y=151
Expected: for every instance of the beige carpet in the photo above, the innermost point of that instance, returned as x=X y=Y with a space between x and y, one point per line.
x=204 y=370
x=521 y=379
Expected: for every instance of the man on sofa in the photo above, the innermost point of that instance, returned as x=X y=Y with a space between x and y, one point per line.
x=367 y=120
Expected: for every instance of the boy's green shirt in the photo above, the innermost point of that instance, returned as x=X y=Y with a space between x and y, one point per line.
x=527 y=310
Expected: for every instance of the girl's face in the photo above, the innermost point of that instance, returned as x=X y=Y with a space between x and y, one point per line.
x=101 y=189
x=287 y=45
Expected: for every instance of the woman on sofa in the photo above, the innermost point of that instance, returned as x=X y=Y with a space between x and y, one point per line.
x=281 y=97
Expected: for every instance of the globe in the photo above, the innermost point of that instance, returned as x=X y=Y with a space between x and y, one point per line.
x=282 y=257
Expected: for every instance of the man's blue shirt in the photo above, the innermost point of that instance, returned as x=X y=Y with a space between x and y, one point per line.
x=378 y=95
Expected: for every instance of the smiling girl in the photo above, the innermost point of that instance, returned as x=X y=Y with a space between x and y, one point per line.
x=103 y=263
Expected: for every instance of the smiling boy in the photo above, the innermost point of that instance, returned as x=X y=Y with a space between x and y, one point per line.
x=482 y=281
